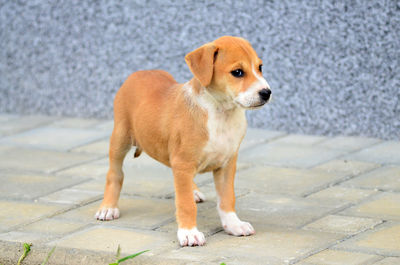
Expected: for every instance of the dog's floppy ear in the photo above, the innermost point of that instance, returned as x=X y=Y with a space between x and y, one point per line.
x=201 y=62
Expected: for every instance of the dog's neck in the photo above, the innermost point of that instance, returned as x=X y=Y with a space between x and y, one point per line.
x=206 y=97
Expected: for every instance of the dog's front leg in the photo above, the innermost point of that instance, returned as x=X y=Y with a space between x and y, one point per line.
x=186 y=210
x=224 y=184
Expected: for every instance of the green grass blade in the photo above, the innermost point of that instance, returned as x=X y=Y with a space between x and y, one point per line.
x=48 y=255
x=131 y=256
x=118 y=252
x=27 y=248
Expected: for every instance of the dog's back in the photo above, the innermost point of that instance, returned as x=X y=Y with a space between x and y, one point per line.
x=150 y=100
x=142 y=86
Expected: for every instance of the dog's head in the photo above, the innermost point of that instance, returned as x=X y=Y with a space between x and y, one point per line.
x=231 y=70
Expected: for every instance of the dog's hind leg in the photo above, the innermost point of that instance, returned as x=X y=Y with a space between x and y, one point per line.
x=120 y=144
x=198 y=195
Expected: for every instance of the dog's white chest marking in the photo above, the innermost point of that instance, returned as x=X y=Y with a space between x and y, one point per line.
x=225 y=131
x=226 y=128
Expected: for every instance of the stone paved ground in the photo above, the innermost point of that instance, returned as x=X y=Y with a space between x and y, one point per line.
x=311 y=199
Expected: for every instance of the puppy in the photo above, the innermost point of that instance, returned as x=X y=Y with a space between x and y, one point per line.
x=193 y=128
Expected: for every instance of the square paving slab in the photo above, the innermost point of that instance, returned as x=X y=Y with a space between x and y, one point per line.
x=76 y=123
x=23 y=123
x=388 y=261
x=30 y=186
x=386 y=206
x=337 y=257
x=107 y=239
x=385 y=178
x=135 y=212
x=383 y=153
x=54 y=138
x=348 y=143
x=288 y=155
x=72 y=196
x=5 y=117
x=36 y=160
x=16 y=213
x=299 y=139
x=347 y=167
x=96 y=169
x=385 y=240
x=255 y=137
x=343 y=224
x=98 y=147
x=270 y=245
x=281 y=180
x=341 y=194
x=280 y=210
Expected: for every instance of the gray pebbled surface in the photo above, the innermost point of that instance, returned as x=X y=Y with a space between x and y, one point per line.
x=333 y=67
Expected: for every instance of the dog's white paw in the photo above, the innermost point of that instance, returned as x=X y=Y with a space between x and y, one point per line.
x=233 y=226
x=240 y=229
x=199 y=196
x=107 y=214
x=192 y=237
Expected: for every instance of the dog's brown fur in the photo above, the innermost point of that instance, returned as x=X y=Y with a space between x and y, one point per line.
x=154 y=113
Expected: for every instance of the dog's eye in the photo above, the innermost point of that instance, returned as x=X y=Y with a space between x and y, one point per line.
x=260 y=68
x=237 y=73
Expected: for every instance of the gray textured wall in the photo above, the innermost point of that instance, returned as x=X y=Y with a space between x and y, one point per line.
x=333 y=65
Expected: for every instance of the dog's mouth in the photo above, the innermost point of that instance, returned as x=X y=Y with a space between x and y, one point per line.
x=253 y=107
x=257 y=106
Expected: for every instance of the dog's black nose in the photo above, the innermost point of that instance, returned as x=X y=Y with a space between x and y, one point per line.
x=265 y=94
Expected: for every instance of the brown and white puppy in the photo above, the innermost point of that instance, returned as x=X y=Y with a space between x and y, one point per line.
x=193 y=128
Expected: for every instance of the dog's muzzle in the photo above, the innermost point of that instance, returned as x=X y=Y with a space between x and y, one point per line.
x=265 y=95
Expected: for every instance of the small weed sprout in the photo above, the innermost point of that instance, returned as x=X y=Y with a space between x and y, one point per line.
x=118 y=261
x=27 y=248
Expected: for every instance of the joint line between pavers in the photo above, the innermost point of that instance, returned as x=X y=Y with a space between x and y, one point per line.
x=313 y=252
x=245 y=193
x=346 y=153
x=333 y=211
x=54 y=238
x=65 y=187
x=359 y=149
x=265 y=141
x=31 y=171
x=320 y=141
x=377 y=189
x=61 y=211
x=78 y=164
x=276 y=137
x=87 y=143
x=159 y=225
x=16 y=227
x=324 y=186
x=338 y=182
x=215 y=231
x=383 y=222
x=369 y=198
x=70 y=233
x=345 y=207
x=244 y=167
x=167 y=196
x=335 y=243
x=40 y=124
x=337 y=157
